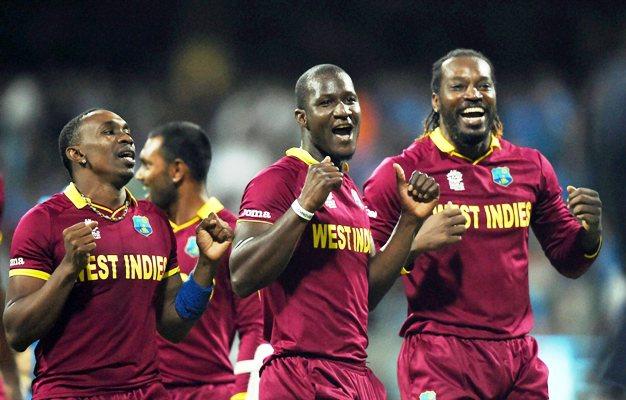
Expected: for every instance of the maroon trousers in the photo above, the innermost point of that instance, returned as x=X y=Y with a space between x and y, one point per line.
x=303 y=378
x=448 y=367
x=153 y=391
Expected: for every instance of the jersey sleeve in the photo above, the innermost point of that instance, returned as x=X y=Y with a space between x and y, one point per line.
x=381 y=199
x=557 y=230
x=268 y=196
x=31 y=249
x=249 y=325
x=172 y=267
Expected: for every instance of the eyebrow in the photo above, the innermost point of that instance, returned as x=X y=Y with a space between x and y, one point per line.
x=109 y=123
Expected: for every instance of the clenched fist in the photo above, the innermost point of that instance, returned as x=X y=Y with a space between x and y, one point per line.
x=441 y=229
x=419 y=195
x=321 y=179
x=213 y=236
x=79 y=243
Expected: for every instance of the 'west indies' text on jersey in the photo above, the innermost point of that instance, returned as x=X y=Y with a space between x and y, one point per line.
x=105 y=337
x=318 y=306
x=478 y=288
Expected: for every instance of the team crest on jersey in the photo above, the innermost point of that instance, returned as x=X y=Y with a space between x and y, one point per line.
x=142 y=225
x=428 y=395
x=191 y=248
x=455 y=180
x=502 y=176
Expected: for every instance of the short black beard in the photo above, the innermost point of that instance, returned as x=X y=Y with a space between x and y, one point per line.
x=165 y=197
x=464 y=140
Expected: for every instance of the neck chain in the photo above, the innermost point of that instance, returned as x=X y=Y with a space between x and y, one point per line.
x=101 y=214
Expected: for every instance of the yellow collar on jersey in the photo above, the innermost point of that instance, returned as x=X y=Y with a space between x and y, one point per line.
x=212 y=205
x=307 y=158
x=445 y=146
x=79 y=201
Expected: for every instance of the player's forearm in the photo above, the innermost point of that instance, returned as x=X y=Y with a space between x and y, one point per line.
x=569 y=255
x=259 y=261
x=169 y=323
x=8 y=367
x=385 y=266
x=11 y=377
x=29 y=318
x=205 y=270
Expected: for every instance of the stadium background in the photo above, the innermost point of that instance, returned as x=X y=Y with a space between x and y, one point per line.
x=231 y=67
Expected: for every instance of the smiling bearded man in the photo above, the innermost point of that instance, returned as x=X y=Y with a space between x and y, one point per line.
x=469 y=316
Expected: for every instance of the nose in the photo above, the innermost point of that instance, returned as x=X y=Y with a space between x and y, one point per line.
x=342 y=110
x=472 y=92
x=126 y=138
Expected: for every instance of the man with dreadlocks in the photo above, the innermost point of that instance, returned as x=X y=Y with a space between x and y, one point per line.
x=469 y=316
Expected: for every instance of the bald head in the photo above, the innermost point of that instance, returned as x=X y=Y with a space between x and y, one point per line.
x=303 y=86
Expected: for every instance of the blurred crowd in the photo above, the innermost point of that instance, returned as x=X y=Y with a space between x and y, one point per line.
x=250 y=122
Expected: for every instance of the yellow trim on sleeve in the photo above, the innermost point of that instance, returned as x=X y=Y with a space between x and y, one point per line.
x=171 y=272
x=33 y=273
x=254 y=220
x=446 y=147
x=239 y=396
x=405 y=271
x=595 y=253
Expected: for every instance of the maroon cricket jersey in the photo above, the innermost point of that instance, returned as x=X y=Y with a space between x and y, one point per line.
x=318 y=305
x=203 y=357
x=478 y=288
x=105 y=337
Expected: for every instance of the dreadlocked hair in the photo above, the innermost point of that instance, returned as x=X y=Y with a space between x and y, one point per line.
x=432 y=121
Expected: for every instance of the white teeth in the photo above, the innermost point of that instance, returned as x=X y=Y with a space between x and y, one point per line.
x=473 y=110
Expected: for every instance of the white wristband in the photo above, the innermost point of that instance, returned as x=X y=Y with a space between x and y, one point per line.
x=300 y=211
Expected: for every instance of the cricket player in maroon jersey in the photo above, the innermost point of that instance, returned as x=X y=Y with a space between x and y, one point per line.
x=303 y=236
x=469 y=315
x=10 y=381
x=94 y=274
x=174 y=165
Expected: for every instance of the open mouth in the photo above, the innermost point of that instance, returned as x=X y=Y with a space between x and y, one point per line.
x=473 y=115
x=344 y=132
x=127 y=155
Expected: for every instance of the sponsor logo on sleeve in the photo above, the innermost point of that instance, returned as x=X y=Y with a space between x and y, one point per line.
x=247 y=212
x=14 y=262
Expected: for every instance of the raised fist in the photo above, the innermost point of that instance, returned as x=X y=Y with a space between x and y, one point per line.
x=321 y=179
